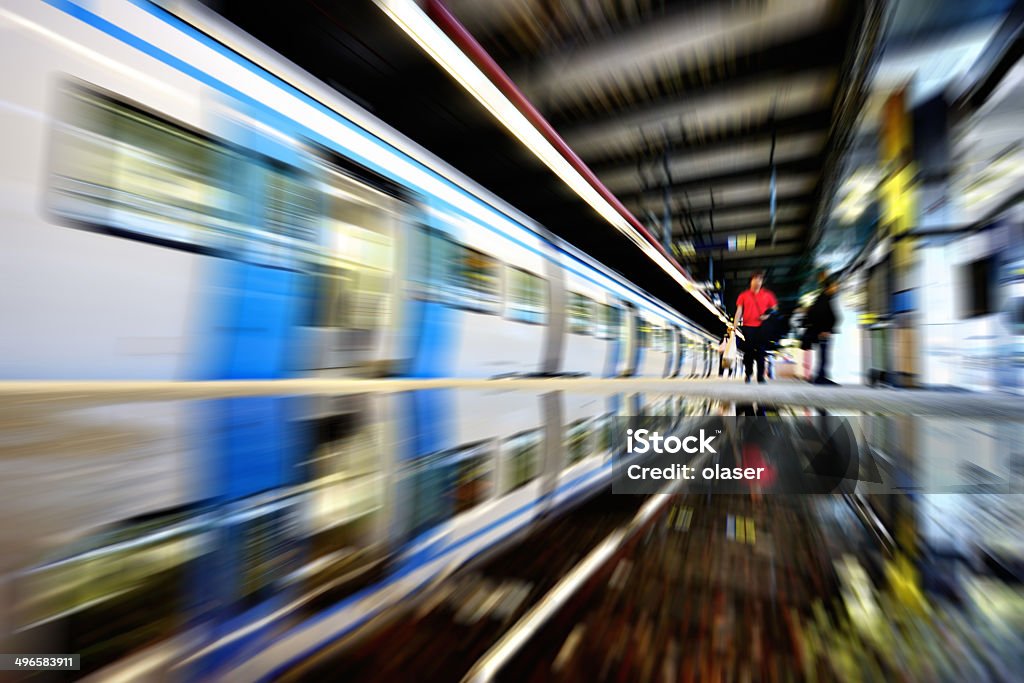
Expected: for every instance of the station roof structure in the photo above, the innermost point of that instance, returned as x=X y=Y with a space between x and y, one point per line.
x=693 y=113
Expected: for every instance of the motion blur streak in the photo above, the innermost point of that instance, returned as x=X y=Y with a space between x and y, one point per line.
x=319 y=364
x=562 y=161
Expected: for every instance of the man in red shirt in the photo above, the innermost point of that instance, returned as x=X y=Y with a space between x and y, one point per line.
x=753 y=307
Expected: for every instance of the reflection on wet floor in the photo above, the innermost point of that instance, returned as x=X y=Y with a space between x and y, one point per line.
x=444 y=633
x=741 y=588
x=741 y=581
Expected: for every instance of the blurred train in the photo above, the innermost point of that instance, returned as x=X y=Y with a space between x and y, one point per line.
x=179 y=203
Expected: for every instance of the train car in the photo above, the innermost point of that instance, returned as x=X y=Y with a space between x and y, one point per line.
x=181 y=203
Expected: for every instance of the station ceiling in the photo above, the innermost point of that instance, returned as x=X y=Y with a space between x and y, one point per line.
x=682 y=108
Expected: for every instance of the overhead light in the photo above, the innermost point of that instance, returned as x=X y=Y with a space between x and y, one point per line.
x=684 y=249
x=857 y=193
x=742 y=242
x=411 y=18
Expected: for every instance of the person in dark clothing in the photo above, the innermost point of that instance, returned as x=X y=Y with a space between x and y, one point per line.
x=753 y=307
x=820 y=323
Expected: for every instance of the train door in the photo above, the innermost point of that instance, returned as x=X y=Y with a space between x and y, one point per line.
x=354 y=329
x=671 y=351
x=253 y=459
x=697 y=358
x=348 y=482
x=608 y=327
x=629 y=329
x=641 y=336
x=684 y=355
x=617 y=352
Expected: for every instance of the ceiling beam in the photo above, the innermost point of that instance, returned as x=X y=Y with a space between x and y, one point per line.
x=762 y=253
x=758 y=169
x=610 y=159
x=696 y=38
x=702 y=114
x=696 y=164
x=609 y=100
x=744 y=197
x=700 y=214
x=750 y=220
x=743 y=267
x=783 y=233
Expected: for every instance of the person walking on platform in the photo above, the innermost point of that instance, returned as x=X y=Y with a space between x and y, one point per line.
x=753 y=307
x=820 y=323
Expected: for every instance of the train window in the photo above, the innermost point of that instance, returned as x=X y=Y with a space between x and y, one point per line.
x=602 y=433
x=347 y=483
x=659 y=343
x=433 y=256
x=581 y=314
x=527 y=297
x=446 y=483
x=454 y=274
x=578 y=441
x=611 y=320
x=129 y=580
x=522 y=459
x=428 y=492
x=473 y=476
x=360 y=248
x=473 y=279
x=643 y=334
x=122 y=169
x=288 y=225
x=290 y=204
x=601 y=320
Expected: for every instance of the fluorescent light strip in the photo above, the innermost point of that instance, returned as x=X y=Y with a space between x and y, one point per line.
x=418 y=26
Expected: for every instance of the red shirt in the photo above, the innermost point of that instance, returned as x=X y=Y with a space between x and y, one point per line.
x=754 y=305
